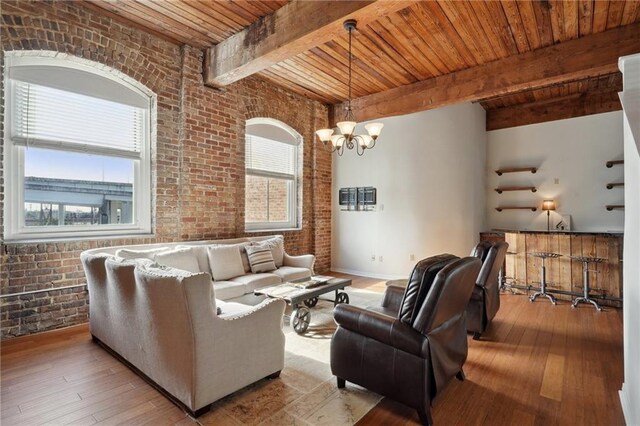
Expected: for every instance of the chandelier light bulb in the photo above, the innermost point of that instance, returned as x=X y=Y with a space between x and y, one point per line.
x=374 y=129
x=346 y=127
x=337 y=141
x=324 y=134
x=365 y=141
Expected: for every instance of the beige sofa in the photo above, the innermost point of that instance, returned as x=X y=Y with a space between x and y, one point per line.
x=164 y=322
x=292 y=268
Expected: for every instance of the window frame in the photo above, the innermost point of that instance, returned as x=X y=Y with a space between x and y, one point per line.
x=14 y=156
x=293 y=187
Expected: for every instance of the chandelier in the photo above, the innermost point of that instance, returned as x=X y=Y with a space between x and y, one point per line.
x=346 y=135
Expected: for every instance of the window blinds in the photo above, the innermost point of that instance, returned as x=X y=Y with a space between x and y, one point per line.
x=269 y=158
x=45 y=117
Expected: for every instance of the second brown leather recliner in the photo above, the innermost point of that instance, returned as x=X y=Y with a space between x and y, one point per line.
x=409 y=350
x=485 y=298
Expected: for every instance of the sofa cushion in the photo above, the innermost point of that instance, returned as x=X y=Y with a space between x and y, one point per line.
x=276 y=245
x=184 y=259
x=225 y=290
x=260 y=258
x=139 y=254
x=290 y=273
x=200 y=252
x=254 y=281
x=225 y=261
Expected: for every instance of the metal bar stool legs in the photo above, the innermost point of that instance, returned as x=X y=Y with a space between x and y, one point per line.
x=585 y=281
x=543 y=277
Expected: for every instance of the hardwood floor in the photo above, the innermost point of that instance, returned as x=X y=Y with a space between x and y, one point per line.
x=537 y=364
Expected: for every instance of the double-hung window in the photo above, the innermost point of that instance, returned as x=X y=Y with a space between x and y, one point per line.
x=271 y=182
x=76 y=155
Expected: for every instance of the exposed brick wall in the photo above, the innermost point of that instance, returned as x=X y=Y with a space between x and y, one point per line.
x=197 y=159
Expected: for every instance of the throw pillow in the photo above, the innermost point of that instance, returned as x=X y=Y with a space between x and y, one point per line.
x=139 y=254
x=184 y=259
x=260 y=258
x=276 y=244
x=225 y=261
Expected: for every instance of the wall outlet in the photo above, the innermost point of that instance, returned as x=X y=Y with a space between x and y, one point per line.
x=373 y=257
x=412 y=257
x=380 y=258
x=556 y=181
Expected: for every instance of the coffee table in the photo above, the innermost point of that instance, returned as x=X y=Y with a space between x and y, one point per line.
x=301 y=315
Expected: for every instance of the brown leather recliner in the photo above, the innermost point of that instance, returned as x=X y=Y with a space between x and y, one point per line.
x=410 y=356
x=485 y=298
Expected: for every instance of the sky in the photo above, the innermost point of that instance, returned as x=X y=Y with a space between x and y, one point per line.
x=71 y=165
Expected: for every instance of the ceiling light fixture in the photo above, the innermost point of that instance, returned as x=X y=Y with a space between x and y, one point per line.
x=346 y=135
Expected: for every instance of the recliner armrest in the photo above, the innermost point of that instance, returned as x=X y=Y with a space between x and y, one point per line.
x=380 y=327
x=393 y=298
x=302 y=261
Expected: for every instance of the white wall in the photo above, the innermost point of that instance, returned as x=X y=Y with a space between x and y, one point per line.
x=630 y=394
x=574 y=151
x=429 y=170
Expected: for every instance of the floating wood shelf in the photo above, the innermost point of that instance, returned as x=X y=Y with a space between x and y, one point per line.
x=615 y=207
x=612 y=163
x=515 y=188
x=533 y=209
x=614 y=184
x=499 y=172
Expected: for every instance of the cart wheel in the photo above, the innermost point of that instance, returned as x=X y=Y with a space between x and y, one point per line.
x=311 y=302
x=342 y=298
x=300 y=319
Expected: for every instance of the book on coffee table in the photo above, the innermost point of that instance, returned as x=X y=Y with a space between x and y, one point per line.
x=314 y=281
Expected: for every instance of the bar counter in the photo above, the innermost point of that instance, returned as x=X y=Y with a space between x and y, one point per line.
x=564 y=274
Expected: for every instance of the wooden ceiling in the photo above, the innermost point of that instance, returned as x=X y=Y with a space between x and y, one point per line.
x=399 y=46
x=433 y=38
x=199 y=23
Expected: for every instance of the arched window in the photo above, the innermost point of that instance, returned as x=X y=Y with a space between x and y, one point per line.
x=272 y=153
x=77 y=148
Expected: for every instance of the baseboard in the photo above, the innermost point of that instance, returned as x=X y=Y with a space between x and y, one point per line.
x=626 y=408
x=369 y=274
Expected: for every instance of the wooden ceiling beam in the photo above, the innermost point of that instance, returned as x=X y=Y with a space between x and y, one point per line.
x=589 y=56
x=293 y=29
x=570 y=106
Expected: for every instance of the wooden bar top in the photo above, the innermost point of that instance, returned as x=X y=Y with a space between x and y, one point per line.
x=526 y=231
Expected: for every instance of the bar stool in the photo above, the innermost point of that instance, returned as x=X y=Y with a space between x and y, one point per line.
x=543 y=275
x=585 y=280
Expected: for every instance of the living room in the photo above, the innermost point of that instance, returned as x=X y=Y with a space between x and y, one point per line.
x=143 y=139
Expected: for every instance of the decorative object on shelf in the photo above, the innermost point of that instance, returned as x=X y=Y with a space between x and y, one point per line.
x=614 y=184
x=533 y=209
x=548 y=205
x=363 y=198
x=515 y=188
x=346 y=128
x=565 y=222
x=614 y=207
x=612 y=163
x=499 y=172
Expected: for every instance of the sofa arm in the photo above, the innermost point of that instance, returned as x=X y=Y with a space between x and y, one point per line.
x=382 y=328
x=303 y=261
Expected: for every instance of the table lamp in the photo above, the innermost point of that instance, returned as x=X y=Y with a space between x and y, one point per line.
x=548 y=205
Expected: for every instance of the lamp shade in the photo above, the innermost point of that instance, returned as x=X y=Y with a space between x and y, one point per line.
x=337 y=140
x=548 y=205
x=324 y=134
x=346 y=127
x=365 y=141
x=374 y=129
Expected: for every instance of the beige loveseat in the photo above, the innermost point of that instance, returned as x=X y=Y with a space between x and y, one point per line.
x=165 y=323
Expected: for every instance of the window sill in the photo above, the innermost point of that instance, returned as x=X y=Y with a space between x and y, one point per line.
x=76 y=238
x=262 y=231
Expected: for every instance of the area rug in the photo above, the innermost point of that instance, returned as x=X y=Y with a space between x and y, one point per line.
x=306 y=392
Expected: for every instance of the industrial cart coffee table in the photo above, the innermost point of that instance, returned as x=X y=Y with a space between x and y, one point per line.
x=295 y=296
